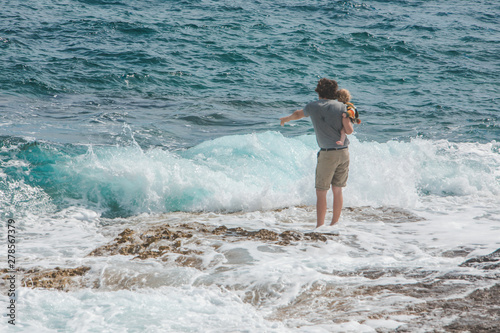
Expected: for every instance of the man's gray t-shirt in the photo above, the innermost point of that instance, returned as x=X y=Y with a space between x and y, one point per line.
x=326 y=116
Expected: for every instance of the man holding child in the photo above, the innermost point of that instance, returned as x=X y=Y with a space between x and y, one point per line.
x=329 y=118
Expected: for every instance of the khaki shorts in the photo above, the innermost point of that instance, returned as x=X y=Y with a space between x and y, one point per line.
x=332 y=169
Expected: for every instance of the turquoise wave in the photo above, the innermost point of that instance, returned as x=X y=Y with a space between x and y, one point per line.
x=233 y=173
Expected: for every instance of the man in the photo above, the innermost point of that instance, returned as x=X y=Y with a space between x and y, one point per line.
x=327 y=116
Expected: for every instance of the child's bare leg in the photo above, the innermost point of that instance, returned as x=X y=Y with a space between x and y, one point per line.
x=342 y=137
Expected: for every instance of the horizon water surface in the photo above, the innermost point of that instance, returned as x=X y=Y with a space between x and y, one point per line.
x=153 y=189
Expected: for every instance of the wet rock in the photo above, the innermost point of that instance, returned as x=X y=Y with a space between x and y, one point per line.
x=477 y=312
x=285 y=238
x=222 y=230
x=377 y=273
x=264 y=234
x=125 y=236
x=58 y=278
x=440 y=310
x=384 y=214
x=150 y=254
x=160 y=240
x=152 y=243
x=189 y=261
x=488 y=262
x=316 y=236
x=290 y=236
x=455 y=253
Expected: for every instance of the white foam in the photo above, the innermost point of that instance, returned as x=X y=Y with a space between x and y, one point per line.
x=160 y=310
x=264 y=171
x=452 y=188
x=241 y=283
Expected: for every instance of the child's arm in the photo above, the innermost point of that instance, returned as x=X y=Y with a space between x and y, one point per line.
x=342 y=137
x=299 y=114
x=346 y=129
x=347 y=125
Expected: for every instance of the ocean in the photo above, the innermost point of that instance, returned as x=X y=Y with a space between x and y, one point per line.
x=146 y=184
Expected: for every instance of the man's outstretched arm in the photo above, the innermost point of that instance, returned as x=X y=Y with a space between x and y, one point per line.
x=299 y=114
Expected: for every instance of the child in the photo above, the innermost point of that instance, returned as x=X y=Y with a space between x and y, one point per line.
x=344 y=96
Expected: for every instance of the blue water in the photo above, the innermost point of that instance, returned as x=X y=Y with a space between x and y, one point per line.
x=182 y=72
x=120 y=113
x=99 y=77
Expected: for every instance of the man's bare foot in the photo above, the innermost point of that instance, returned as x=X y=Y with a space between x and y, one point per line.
x=329 y=230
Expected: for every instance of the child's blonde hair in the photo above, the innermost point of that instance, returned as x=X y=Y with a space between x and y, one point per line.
x=343 y=95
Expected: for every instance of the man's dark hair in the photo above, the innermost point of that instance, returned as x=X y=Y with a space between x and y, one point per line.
x=327 y=88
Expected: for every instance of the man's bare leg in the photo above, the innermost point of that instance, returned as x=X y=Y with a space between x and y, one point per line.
x=338 y=202
x=320 y=207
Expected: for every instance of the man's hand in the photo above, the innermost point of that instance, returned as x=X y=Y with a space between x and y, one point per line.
x=299 y=114
x=284 y=120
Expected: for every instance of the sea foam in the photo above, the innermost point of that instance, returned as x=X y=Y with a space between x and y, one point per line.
x=250 y=172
